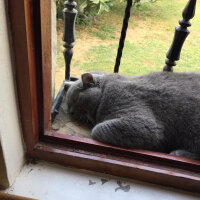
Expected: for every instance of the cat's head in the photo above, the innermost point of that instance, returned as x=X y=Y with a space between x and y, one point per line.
x=83 y=98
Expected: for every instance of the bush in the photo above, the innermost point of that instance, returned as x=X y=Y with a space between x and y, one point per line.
x=59 y=8
x=88 y=9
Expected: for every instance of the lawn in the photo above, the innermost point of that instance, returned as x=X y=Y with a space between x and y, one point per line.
x=149 y=36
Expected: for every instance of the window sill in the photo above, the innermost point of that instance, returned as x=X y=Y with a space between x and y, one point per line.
x=70 y=183
x=143 y=165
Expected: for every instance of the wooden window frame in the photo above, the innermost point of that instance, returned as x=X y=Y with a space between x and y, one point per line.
x=33 y=77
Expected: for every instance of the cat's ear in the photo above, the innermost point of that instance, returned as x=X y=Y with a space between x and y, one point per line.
x=87 y=80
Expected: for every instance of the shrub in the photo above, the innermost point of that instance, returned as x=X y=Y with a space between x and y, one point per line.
x=88 y=9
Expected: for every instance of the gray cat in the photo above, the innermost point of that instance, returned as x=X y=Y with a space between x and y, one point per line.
x=158 y=111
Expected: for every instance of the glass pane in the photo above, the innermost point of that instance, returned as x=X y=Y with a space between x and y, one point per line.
x=149 y=36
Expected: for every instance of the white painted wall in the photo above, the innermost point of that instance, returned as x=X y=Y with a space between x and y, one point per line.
x=10 y=130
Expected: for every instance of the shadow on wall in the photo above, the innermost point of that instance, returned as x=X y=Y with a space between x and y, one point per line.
x=3 y=174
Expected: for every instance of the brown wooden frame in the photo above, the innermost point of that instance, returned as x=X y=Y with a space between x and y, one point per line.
x=32 y=70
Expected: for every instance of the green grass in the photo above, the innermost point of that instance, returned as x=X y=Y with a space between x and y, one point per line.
x=60 y=59
x=147 y=53
x=104 y=31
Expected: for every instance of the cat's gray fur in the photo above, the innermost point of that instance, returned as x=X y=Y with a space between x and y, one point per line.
x=158 y=111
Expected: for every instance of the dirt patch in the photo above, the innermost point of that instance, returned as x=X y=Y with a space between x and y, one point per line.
x=84 y=42
x=148 y=62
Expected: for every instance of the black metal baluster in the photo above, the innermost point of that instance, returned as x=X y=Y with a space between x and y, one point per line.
x=123 y=35
x=181 y=33
x=69 y=14
x=69 y=34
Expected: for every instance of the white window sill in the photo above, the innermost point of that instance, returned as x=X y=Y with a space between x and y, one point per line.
x=46 y=181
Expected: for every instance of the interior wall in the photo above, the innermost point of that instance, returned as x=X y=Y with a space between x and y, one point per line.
x=12 y=154
x=3 y=175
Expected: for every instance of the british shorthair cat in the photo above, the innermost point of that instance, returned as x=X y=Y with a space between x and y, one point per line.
x=157 y=111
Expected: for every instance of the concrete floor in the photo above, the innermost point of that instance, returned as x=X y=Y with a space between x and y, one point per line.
x=46 y=181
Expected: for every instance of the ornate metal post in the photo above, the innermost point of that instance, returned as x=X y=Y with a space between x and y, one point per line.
x=69 y=34
x=68 y=37
x=181 y=33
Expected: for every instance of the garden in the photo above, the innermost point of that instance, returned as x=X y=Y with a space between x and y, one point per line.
x=149 y=36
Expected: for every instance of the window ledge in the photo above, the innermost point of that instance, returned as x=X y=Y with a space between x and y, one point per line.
x=50 y=182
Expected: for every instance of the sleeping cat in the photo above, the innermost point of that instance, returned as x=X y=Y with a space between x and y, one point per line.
x=157 y=111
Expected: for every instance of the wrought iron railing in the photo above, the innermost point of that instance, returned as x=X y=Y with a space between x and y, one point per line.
x=69 y=13
x=181 y=33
